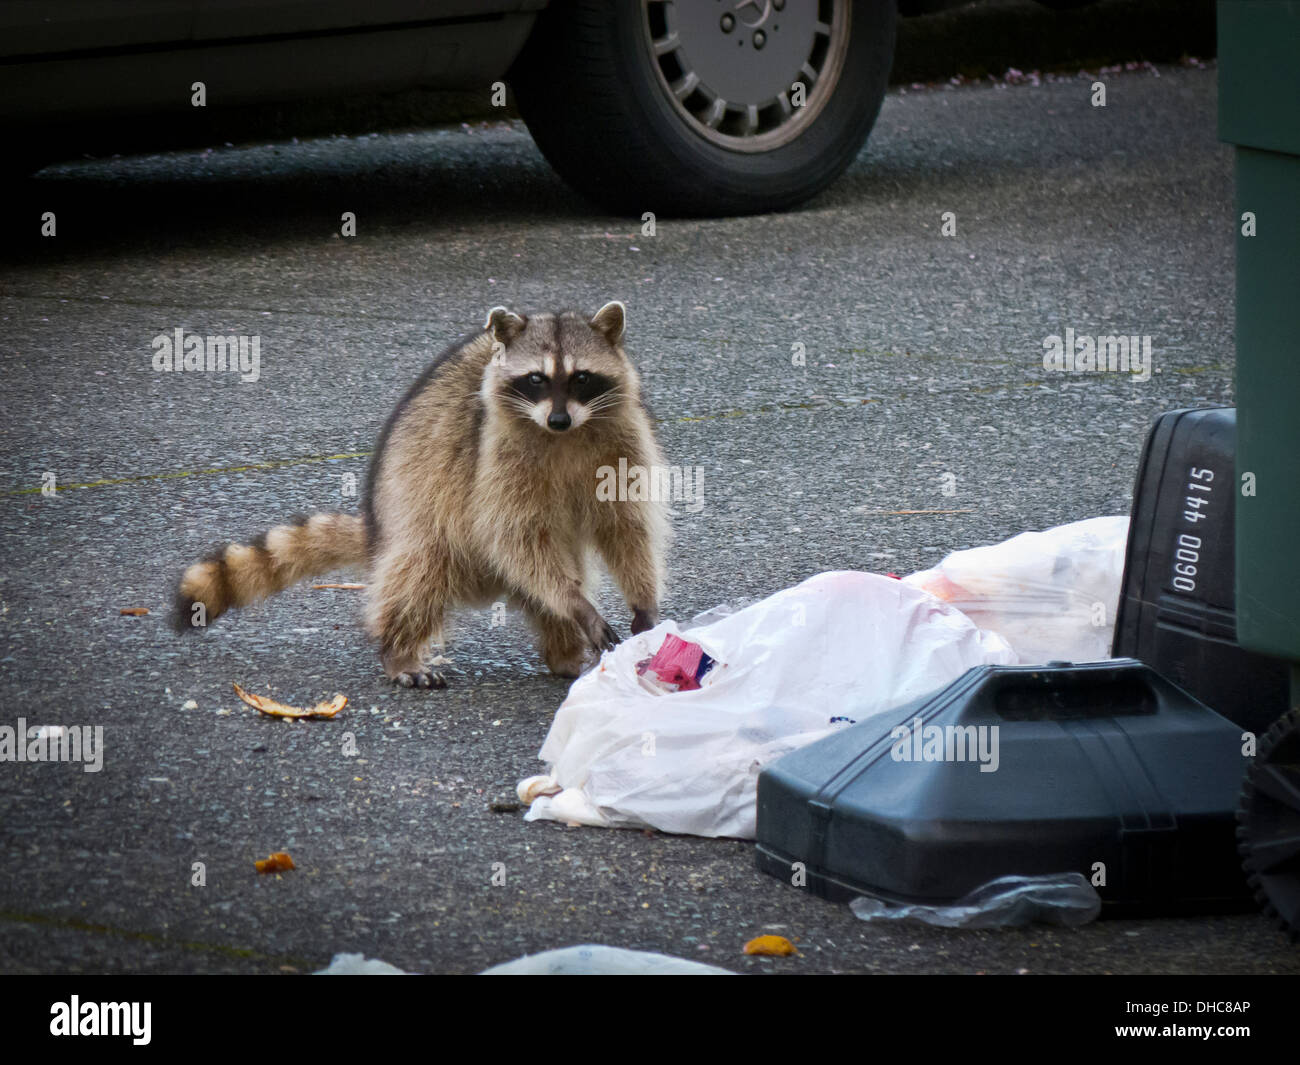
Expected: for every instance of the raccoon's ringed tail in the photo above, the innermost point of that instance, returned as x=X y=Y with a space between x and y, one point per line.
x=236 y=575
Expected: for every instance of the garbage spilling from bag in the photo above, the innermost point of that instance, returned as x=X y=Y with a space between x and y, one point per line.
x=1010 y=901
x=677 y=666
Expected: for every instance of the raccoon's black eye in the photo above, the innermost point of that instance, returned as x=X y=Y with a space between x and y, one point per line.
x=536 y=379
x=587 y=386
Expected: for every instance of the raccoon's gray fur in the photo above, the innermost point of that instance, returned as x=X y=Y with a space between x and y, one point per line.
x=483 y=487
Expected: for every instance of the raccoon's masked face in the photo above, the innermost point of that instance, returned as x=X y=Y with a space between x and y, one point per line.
x=557 y=371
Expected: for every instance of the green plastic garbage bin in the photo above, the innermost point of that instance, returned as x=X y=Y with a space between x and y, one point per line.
x=1259 y=113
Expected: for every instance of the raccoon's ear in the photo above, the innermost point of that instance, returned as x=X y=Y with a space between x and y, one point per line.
x=504 y=325
x=609 y=321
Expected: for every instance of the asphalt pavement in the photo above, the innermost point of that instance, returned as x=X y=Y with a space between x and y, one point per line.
x=923 y=359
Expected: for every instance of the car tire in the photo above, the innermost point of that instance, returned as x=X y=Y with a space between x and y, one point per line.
x=599 y=100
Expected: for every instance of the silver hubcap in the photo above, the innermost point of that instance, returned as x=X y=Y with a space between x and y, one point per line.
x=747 y=75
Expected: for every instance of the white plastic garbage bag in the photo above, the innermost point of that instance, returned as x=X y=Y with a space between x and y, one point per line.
x=839 y=645
x=1051 y=595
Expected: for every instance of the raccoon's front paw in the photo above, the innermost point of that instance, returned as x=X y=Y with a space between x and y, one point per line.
x=421 y=678
x=595 y=629
x=599 y=634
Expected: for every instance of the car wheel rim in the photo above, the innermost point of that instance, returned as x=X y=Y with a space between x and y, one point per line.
x=748 y=76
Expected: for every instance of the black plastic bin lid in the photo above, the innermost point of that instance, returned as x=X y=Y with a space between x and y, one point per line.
x=1104 y=768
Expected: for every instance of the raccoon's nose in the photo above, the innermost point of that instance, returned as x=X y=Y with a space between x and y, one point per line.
x=559 y=421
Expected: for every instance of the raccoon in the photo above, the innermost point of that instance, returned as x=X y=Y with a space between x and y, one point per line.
x=482 y=487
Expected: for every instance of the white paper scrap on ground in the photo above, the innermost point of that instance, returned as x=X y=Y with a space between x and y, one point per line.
x=591 y=959
x=842 y=644
x=358 y=965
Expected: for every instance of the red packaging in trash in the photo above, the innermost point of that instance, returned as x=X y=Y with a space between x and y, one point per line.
x=678 y=664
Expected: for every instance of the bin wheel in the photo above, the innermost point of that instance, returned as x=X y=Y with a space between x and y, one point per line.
x=1268 y=823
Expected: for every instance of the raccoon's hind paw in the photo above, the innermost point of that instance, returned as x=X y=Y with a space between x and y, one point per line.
x=421 y=678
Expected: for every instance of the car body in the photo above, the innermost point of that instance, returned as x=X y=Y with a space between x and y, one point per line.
x=686 y=122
